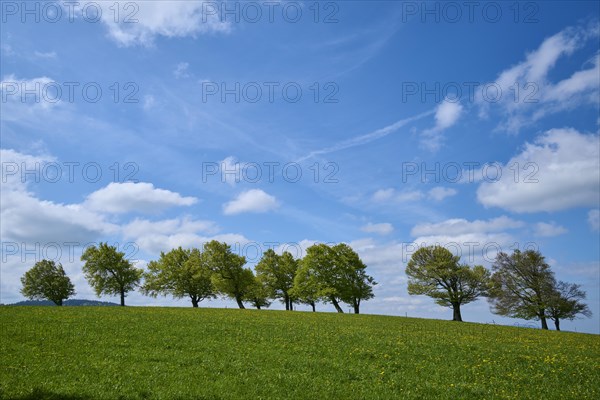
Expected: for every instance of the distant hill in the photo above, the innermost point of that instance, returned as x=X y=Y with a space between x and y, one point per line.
x=73 y=302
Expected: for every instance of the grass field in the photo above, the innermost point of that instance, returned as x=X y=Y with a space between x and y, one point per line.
x=185 y=353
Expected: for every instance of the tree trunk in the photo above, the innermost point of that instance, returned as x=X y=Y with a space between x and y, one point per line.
x=456 y=312
x=356 y=307
x=336 y=305
x=287 y=302
x=557 y=324
x=122 y=298
x=544 y=323
x=58 y=302
x=258 y=306
x=291 y=305
x=239 y=303
x=194 y=302
x=312 y=303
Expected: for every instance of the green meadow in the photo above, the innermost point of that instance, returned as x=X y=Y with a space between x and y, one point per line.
x=184 y=353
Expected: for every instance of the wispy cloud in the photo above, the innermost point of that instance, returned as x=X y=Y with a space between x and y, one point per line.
x=367 y=138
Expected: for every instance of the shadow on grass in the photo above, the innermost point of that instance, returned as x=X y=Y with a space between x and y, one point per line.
x=43 y=394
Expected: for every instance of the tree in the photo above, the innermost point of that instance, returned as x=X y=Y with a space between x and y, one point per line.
x=305 y=287
x=317 y=274
x=435 y=272
x=46 y=280
x=356 y=284
x=522 y=285
x=565 y=303
x=180 y=273
x=277 y=273
x=259 y=293
x=229 y=278
x=334 y=274
x=108 y=272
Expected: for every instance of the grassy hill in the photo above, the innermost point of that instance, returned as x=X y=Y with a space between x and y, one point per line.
x=185 y=353
x=66 y=303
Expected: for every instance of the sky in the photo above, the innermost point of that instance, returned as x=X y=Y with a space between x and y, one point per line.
x=387 y=125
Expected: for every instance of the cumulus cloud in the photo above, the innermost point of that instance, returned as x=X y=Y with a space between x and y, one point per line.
x=125 y=197
x=446 y=115
x=545 y=229
x=170 y=19
x=254 y=200
x=563 y=171
x=156 y=236
x=28 y=219
x=475 y=241
x=439 y=193
x=25 y=100
x=384 y=228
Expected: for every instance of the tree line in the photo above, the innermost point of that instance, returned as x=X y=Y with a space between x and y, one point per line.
x=520 y=285
x=328 y=274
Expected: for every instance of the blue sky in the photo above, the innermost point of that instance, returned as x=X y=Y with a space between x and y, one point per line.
x=385 y=125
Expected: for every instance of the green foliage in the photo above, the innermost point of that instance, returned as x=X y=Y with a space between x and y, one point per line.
x=435 y=272
x=229 y=277
x=522 y=285
x=259 y=294
x=46 y=280
x=108 y=272
x=136 y=353
x=180 y=273
x=334 y=274
x=277 y=273
x=566 y=303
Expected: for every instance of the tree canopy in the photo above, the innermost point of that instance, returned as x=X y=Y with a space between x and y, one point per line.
x=522 y=286
x=108 y=272
x=180 y=273
x=229 y=277
x=566 y=303
x=333 y=274
x=435 y=272
x=46 y=280
x=277 y=272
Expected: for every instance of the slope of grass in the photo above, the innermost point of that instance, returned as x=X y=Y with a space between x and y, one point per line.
x=180 y=353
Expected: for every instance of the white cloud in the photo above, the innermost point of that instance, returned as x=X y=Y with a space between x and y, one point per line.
x=594 y=220
x=170 y=19
x=128 y=196
x=230 y=170
x=28 y=219
x=545 y=229
x=156 y=236
x=27 y=98
x=149 y=102
x=181 y=71
x=140 y=227
x=50 y=54
x=537 y=96
x=253 y=200
x=392 y=195
x=366 y=138
x=459 y=226
x=380 y=229
x=439 y=193
x=568 y=175
x=446 y=115
x=475 y=241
